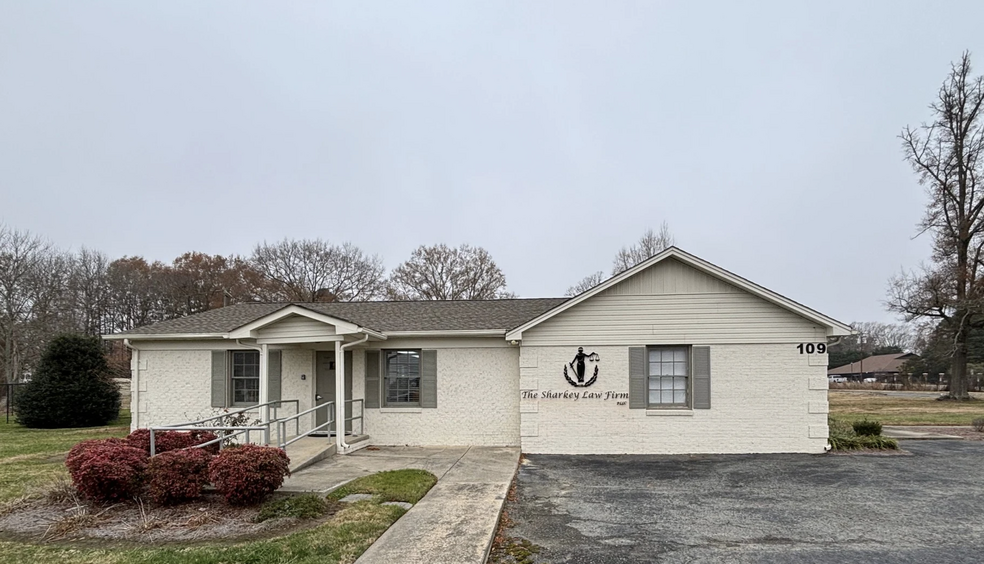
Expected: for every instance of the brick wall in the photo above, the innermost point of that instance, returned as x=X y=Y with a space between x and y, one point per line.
x=175 y=386
x=764 y=398
x=477 y=402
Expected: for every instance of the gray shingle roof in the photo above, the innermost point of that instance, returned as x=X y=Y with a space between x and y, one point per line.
x=498 y=315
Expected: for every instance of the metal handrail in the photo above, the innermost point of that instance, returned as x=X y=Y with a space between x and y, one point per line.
x=329 y=406
x=297 y=403
x=231 y=431
x=234 y=432
x=362 y=411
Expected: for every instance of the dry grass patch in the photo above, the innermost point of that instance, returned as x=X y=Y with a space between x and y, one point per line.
x=31 y=459
x=338 y=538
x=915 y=409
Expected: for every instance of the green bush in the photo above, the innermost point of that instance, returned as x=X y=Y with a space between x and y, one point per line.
x=867 y=428
x=862 y=442
x=307 y=506
x=70 y=388
x=845 y=436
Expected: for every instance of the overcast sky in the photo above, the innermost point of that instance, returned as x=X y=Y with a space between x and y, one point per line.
x=550 y=133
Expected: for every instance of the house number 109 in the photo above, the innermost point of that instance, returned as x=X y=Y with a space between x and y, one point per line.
x=810 y=348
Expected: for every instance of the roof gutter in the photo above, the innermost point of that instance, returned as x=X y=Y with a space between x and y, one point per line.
x=450 y=333
x=164 y=336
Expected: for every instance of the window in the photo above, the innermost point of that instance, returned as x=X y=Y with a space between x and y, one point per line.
x=402 y=378
x=245 y=377
x=669 y=370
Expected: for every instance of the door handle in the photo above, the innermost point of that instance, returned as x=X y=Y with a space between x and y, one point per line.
x=317 y=398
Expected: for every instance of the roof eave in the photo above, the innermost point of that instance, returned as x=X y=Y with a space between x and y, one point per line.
x=449 y=333
x=164 y=336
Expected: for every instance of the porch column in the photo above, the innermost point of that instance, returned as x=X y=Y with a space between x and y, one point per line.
x=264 y=389
x=339 y=398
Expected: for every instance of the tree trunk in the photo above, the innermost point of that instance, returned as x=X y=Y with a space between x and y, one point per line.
x=958 y=367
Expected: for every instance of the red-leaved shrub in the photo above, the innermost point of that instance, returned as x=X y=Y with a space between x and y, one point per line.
x=176 y=476
x=165 y=441
x=248 y=473
x=106 y=470
x=75 y=456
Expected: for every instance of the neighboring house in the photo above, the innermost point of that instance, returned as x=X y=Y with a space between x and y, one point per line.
x=878 y=368
x=674 y=355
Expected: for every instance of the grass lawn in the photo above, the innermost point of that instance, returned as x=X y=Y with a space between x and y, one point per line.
x=31 y=458
x=342 y=539
x=902 y=410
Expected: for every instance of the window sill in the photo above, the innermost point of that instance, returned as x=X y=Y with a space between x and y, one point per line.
x=400 y=410
x=679 y=412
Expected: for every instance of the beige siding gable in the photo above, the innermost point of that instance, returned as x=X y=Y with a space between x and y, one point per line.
x=295 y=326
x=670 y=276
x=674 y=303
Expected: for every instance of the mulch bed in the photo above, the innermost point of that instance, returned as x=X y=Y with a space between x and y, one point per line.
x=209 y=519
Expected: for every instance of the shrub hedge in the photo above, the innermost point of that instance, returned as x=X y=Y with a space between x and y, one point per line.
x=166 y=441
x=106 y=470
x=178 y=475
x=246 y=474
x=867 y=428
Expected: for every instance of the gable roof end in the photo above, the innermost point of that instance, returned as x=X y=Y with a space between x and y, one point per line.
x=834 y=328
x=342 y=326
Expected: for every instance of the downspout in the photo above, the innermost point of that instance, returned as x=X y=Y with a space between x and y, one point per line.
x=134 y=385
x=340 y=390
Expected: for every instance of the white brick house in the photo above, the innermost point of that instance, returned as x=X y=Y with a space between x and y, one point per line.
x=675 y=355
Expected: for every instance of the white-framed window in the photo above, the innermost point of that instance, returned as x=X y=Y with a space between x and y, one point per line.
x=668 y=374
x=402 y=378
x=245 y=378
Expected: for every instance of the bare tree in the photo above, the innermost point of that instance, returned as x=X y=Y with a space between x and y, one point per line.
x=316 y=271
x=648 y=245
x=23 y=257
x=586 y=284
x=871 y=337
x=946 y=155
x=88 y=291
x=440 y=272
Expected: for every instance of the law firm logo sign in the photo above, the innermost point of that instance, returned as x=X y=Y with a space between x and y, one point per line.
x=579 y=368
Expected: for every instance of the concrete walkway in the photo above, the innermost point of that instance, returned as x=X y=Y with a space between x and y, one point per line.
x=897 y=432
x=328 y=474
x=455 y=522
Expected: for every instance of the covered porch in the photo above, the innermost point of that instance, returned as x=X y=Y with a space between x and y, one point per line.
x=286 y=380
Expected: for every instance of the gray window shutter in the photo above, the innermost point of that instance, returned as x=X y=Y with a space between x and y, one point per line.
x=220 y=379
x=372 y=379
x=638 y=390
x=428 y=379
x=702 y=377
x=274 y=375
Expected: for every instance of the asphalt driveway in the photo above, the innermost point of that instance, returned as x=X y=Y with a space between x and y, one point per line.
x=924 y=508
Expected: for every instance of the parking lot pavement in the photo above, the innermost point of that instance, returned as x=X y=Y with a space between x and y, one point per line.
x=924 y=508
